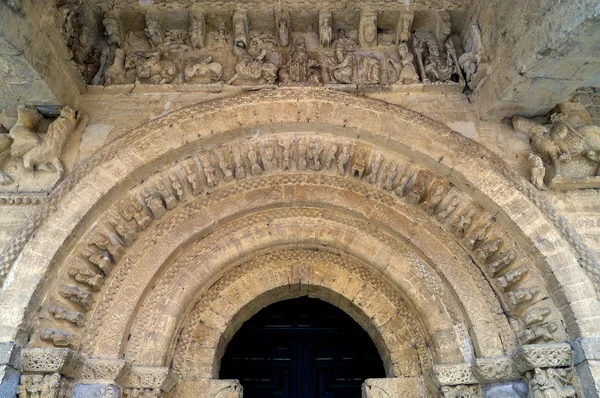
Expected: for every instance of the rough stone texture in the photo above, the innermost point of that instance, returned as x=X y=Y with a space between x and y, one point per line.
x=590 y=98
x=209 y=389
x=96 y=391
x=545 y=47
x=409 y=387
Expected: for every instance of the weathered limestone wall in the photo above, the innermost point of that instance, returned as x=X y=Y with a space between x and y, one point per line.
x=590 y=98
x=540 y=52
x=29 y=35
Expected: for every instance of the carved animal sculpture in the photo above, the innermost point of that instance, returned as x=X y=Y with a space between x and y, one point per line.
x=203 y=70
x=44 y=154
x=561 y=142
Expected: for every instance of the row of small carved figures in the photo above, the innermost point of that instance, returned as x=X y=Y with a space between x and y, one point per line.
x=136 y=213
x=342 y=66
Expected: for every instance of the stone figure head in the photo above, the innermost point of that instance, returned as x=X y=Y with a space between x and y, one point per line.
x=114 y=29
x=370 y=32
x=340 y=51
x=403 y=50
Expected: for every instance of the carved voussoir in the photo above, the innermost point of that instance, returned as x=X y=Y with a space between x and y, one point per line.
x=52 y=360
x=148 y=377
x=451 y=375
x=489 y=370
x=528 y=357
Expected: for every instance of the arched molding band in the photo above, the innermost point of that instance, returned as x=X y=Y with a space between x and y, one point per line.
x=94 y=187
x=289 y=273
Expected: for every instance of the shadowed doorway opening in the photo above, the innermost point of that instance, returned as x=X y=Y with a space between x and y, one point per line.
x=301 y=348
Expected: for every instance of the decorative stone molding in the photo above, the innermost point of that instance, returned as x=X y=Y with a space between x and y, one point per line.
x=146 y=377
x=209 y=389
x=62 y=361
x=489 y=370
x=39 y=385
x=406 y=387
x=236 y=161
x=451 y=375
x=16 y=199
x=529 y=357
x=105 y=370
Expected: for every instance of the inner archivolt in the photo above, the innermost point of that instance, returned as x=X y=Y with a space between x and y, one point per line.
x=302 y=347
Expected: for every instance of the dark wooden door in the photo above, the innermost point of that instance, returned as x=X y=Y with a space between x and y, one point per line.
x=301 y=348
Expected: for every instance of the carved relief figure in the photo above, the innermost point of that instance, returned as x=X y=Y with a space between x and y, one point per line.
x=285 y=154
x=403 y=28
x=203 y=71
x=325 y=32
x=343 y=159
x=367 y=35
x=405 y=69
x=155 y=28
x=538 y=171
x=369 y=70
x=300 y=67
x=551 y=383
x=117 y=73
x=240 y=29
x=42 y=152
x=473 y=61
x=253 y=70
x=197 y=28
x=559 y=143
x=282 y=23
x=114 y=28
x=344 y=71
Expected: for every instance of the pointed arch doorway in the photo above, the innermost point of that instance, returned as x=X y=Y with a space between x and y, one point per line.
x=301 y=348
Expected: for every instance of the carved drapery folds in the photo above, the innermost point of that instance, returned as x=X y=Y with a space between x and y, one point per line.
x=246 y=53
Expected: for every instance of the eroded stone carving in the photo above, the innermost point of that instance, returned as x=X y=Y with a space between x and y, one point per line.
x=240 y=28
x=300 y=68
x=253 y=70
x=565 y=151
x=39 y=151
x=282 y=24
x=461 y=391
x=552 y=382
x=59 y=338
x=43 y=386
x=155 y=28
x=367 y=34
x=92 y=279
x=59 y=312
x=473 y=61
x=197 y=27
x=203 y=70
x=78 y=296
x=405 y=69
x=542 y=333
x=114 y=28
x=325 y=30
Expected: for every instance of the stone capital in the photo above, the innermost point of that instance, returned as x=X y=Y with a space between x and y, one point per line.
x=149 y=377
x=63 y=361
x=528 y=357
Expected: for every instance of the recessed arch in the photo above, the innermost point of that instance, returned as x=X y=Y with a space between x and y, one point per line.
x=412 y=157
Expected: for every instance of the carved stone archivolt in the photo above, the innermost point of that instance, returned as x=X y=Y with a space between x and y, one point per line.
x=107 y=245
x=260 y=169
